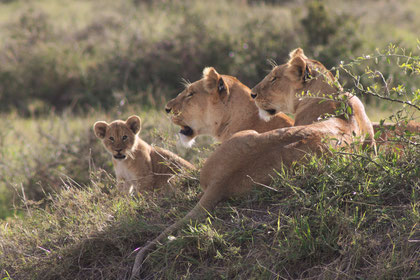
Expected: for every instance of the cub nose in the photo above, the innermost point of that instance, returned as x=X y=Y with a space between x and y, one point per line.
x=168 y=110
x=253 y=95
x=118 y=150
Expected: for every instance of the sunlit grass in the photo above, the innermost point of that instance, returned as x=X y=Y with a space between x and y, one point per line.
x=340 y=216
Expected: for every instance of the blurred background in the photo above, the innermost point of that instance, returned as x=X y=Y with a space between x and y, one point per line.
x=66 y=64
x=78 y=55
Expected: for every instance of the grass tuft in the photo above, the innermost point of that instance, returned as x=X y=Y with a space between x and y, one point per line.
x=341 y=217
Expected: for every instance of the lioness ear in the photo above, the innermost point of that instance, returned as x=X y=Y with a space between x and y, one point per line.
x=212 y=80
x=211 y=77
x=134 y=124
x=297 y=52
x=297 y=69
x=100 y=129
x=221 y=85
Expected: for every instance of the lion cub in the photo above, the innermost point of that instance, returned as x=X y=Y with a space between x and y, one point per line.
x=138 y=165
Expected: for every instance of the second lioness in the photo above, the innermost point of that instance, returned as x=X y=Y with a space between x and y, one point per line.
x=138 y=165
x=218 y=105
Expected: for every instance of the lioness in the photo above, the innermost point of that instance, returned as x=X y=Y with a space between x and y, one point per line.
x=218 y=105
x=389 y=138
x=249 y=157
x=390 y=130
x=138 y=166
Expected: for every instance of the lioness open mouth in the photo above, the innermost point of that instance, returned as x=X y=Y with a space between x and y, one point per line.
x=187 y=131
x=119 y=156
x=271 y=111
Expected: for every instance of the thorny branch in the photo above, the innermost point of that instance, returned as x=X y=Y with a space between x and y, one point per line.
x=380 y=75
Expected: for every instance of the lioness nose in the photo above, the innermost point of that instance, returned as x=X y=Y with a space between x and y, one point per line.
x=118 y=150
x=168 y=110
x=253 y=95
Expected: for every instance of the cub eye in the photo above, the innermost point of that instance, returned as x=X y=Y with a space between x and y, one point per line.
x=191 y=93
x=124 y=137
x=273 y=79
x=111 y=138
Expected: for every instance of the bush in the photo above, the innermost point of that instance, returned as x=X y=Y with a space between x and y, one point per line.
x=330 y=36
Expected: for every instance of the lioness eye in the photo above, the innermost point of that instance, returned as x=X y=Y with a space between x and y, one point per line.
x=124 y=137
x=273 y=79
x=191 y=93
x=111 y=138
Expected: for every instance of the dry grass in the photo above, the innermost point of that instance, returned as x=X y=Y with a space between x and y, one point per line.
x=345 y=218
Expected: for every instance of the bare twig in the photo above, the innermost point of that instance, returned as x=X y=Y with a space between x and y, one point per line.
x=378 y=73
x=24 y=200
x=260 y=184
x=391 y=99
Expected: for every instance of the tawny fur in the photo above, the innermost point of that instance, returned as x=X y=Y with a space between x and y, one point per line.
x=219 y=106
x=393 y=130
x=249 y=157
x=138 y=166
x=302 y=87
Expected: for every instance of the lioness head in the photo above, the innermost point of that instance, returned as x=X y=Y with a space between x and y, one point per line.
x=194 y=108
x=119 y=136
x=279 y=90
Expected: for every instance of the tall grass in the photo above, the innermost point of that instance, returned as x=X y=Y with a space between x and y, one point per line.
x=345 y=217
x=39 y=155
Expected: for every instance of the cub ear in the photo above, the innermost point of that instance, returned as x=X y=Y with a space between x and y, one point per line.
x=297 y=69
x=134 y=124
x=100 y=129
x=214 y=80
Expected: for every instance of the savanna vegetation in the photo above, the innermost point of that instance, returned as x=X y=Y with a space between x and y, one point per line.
x=66 y=64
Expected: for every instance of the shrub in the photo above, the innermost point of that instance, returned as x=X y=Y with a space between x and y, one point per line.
x=330 y=36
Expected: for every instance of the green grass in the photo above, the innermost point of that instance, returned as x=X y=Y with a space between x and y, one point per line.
x=37 y=154
x=345 y=217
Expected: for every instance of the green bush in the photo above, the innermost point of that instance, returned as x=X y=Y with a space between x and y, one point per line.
x=330 y=36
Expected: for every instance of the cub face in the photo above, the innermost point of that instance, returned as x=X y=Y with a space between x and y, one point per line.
x=119 y=136
x=200 y=106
